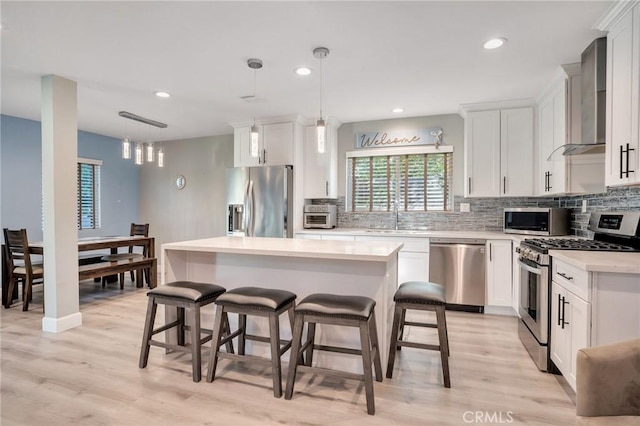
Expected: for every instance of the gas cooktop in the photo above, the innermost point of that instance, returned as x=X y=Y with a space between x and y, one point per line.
x=545 y=244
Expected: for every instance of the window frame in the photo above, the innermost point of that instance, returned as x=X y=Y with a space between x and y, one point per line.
x=96 y=193
x=396 y=152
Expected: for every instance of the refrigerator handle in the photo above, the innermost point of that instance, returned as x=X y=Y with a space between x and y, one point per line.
x=245 y=213
x=251 y=200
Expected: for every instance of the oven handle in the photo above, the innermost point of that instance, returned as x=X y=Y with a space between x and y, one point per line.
x=529 y=268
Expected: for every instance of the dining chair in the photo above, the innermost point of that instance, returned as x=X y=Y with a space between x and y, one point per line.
x=19 y=265
x=139 y=230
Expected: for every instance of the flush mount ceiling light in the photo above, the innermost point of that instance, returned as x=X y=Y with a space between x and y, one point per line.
x=397 y=110
x=303 y=71
x=254 y=64
x=162 y=94
x=321 y=129
x=494 y=43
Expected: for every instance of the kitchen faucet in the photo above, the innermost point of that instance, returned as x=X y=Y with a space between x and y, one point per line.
x=396 y=209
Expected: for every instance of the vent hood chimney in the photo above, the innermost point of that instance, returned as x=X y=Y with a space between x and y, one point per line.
x=593 y=68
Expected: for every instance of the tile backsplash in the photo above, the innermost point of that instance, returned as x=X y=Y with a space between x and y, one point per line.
x=486 y=213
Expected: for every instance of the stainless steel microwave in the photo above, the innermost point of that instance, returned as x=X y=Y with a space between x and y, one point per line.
x=545 y=221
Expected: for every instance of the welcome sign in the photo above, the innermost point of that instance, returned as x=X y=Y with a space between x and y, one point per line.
x=397 y=138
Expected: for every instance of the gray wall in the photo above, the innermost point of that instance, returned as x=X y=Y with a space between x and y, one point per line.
x=452 y=134
x=21 y=179
x=198 y=210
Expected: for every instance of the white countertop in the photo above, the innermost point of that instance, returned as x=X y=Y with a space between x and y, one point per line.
x=600 y=261
x=493 y=235
x=292 y=247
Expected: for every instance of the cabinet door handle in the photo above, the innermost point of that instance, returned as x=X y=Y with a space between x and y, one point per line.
x=504 y=184
x=628 y=151
x=469 y=185
x=549 y=181
x=565 y=276
x=326 y=188
x=490 y=252
x=546 y=181
x=564 y=302
x=621 y=152
x=264 y=156
x=559 y=309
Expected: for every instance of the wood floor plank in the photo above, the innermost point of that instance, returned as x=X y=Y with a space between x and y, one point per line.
x=90 y=376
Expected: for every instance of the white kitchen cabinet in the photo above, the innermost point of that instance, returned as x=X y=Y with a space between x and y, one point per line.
x=590 y=309
x=413 y=257
x=498 y=152
x=276 y=145
x=559 y=123
x=623 y=99
x=321 y=169
x=308 y=236
x=338 y=237
x=499 y=273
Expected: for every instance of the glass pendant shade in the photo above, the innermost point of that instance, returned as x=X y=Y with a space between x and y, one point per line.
x=321 y=130
x=254 y=141
x=126 y=148
x=139 y=159
x=160 y=157
x=150 y=153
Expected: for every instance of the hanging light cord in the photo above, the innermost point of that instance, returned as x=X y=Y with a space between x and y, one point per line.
x=255 y=73
x=321 y=60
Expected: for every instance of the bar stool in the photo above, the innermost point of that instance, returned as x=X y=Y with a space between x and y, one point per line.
x=260 y=302
x=351 y=311
x=183 y=295
x=424 y=296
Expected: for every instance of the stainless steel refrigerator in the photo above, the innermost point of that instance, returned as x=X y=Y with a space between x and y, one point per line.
x=260 y=201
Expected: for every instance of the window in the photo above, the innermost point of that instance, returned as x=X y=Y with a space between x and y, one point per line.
x=417 y=181
x=88 y=193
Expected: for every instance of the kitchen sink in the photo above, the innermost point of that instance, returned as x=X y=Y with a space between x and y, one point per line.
x=393 y=231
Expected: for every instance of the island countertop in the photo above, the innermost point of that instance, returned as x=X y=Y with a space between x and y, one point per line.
x=292 y=247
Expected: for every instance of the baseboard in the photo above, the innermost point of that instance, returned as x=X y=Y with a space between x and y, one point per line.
x=58 y=325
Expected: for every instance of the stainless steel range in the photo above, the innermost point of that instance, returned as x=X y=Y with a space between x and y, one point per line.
x=613 y=231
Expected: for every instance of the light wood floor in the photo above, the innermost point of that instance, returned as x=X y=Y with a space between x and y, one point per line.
x=90 y=376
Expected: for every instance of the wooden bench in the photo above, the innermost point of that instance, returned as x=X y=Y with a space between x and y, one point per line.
x=101 y=269
x=89 y=258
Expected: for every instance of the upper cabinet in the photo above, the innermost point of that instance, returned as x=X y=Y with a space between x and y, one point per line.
x=622 y=165
x=276 y=144
x=559 y=123
x=321 y=169
x=498 y=151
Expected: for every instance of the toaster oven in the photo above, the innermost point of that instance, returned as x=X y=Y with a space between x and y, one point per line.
x=322 y=216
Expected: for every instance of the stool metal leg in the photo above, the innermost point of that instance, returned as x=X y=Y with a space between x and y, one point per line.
x=195 y=343
x=148 y=330
x=393 y=344
x=242 y=326
x=311 y=337
x=365 y=344
x=180 y=328
x=215 y=344
x=444 y=346
x=296 y=340
x=276 y=369
x=373 y=333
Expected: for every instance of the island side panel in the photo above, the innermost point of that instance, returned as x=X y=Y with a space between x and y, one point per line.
x=302 y=276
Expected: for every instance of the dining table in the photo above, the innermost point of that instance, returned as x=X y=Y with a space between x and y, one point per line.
x=112 y=243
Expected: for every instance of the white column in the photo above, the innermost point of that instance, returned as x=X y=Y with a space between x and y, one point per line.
x=59 y=163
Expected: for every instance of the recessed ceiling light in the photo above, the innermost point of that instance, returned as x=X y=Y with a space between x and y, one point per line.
x=397 y=110
x=303 y=71
x=494 y=43
x=163 y=95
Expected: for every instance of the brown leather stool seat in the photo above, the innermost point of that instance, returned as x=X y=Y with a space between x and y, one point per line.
x=255 y=301
x=183 y=295
x=352 y=311
x=425 y=296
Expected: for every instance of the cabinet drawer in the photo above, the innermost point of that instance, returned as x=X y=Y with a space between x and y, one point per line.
x=573 y=279
x=410 y=244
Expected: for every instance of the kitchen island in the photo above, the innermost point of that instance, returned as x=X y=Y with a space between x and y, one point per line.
x=301 y=266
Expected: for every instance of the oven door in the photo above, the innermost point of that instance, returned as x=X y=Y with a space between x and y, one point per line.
x=534 y=298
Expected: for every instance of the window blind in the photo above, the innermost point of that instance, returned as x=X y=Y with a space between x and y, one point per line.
x=88 y=196
x=419 y=182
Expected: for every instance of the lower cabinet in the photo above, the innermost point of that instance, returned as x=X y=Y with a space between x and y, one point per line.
x=499 y=273
x=570 y=325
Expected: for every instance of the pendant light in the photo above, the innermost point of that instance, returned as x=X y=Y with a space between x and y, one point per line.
x=160 y=157
x=150 y=153
x=126 y=148
x=139 y=155
x=254 y=64
x=321 y=129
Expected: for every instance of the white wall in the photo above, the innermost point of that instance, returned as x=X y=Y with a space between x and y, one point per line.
x=452 y=134
x=198 y=210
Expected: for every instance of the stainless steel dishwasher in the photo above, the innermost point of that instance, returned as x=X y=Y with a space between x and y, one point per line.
x=459 y=266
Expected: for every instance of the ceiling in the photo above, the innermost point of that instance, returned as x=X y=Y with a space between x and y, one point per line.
x=424 y=56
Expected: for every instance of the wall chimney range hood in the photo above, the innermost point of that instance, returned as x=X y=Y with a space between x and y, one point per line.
x=593 y=69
